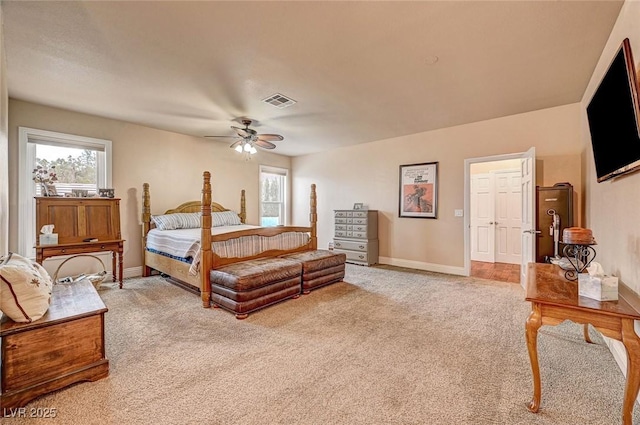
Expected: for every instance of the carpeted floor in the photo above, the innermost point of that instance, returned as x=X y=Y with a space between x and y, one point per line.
x=387 y=346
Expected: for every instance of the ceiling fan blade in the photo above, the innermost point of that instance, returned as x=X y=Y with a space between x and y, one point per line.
x=264 y=144
x=235 y=144
x=242 y=132
x=270 y=137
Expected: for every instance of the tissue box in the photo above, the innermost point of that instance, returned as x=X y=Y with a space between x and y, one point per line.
x=601 y=288
x=49 y=239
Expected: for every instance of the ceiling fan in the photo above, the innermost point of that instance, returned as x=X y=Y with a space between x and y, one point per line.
x=248 y=139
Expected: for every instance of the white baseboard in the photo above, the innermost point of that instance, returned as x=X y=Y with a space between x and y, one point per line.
x=419 y=265
x=132 y=272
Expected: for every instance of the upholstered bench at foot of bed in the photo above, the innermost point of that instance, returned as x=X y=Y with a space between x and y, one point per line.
x=319 y=268
x=248 y=286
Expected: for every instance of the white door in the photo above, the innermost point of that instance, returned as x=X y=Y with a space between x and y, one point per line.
x=508 y=216
x=482 y=206
x=528 y=166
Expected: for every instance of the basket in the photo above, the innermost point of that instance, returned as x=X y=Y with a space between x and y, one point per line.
x=95 y=278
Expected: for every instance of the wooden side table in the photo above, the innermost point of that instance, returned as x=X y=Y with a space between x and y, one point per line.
x=555 y=299
x=64 y=347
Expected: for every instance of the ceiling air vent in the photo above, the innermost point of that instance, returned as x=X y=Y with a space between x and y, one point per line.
x=279 y=101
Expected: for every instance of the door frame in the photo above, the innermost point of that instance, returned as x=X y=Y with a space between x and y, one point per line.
x=467 y=199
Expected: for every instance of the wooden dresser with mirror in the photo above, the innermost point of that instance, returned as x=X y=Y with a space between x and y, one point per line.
x=77 y=220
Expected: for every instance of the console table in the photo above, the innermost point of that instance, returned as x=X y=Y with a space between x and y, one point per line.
x=555 y=299
x=63 y=347
x=78 y=219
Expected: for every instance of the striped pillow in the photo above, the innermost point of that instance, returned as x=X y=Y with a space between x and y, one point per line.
x=225 y=218
x=177 y=221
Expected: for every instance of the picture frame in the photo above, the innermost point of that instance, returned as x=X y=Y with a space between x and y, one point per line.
x=106 y=193
x=50 y=190
x=418 y=190
x=358 y=206
x=80 y=193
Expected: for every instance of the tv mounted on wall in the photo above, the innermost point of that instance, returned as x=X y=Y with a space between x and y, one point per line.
x=614 y=118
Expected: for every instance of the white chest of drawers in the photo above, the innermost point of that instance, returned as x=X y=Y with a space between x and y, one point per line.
x=356 y=235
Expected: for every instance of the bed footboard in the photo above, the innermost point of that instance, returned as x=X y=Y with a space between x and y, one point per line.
x=209 y=260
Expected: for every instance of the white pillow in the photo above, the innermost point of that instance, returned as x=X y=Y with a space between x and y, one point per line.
x=25 y=293
x=177 y=221
x=225 y=218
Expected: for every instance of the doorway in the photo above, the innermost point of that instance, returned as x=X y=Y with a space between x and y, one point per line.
x=495 y=212
x=524 y=162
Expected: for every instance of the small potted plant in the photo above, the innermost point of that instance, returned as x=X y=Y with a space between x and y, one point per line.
x=46 y=177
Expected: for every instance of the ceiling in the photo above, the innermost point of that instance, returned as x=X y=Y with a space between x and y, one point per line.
x=359 y=71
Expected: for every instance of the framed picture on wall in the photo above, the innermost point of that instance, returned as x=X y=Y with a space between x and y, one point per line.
x=419 y=190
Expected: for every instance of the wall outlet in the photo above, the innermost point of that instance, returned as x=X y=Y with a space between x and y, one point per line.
x=457 y=213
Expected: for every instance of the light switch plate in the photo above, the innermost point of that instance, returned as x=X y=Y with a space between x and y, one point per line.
x=457 y=213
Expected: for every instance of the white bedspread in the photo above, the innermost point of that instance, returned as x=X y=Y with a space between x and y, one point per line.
x=185 y=242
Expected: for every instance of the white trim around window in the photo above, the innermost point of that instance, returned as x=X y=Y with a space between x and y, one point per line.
x=283 y=172
x=27 y=138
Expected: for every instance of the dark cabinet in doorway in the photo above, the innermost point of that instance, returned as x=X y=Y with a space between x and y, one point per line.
x=557 y=199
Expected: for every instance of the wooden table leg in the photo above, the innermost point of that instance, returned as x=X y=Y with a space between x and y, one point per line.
x=113 y=265
x=120 y=263
x=534 y=321
x=631 y=342
x=587 y=338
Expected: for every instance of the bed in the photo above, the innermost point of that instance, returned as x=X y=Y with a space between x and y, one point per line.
x=210 y=247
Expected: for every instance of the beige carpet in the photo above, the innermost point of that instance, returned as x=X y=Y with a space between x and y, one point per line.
x=387 y=346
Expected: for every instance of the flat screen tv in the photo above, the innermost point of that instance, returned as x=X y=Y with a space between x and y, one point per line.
x=614 y=118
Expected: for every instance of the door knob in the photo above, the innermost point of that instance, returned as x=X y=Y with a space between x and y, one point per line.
x=491 y=222
x=531 y=231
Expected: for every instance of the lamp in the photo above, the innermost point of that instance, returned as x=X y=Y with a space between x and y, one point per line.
x=246 y=147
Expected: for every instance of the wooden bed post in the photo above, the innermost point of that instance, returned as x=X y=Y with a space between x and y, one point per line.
x=313 y=217
x=206 y=255
x=243 y=208
x=146 y=225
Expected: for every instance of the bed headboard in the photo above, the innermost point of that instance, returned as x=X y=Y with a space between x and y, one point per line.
x=187 y=207
x=195 y=206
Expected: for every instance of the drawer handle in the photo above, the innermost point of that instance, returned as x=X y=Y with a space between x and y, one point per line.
x=101 y=246
x=361 y=257
x=64 y=250
x=338 y=244
x=361 y=246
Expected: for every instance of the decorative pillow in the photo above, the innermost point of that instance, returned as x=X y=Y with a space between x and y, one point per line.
x=26 y=288
x=177 y=221
x=225 y=218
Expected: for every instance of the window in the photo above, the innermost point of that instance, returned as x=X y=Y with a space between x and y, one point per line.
x=81 y=163
x=273 y=195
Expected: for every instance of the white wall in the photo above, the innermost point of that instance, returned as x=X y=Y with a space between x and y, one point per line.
x=171 y=163
x=612 y=208
x=4 y=146
x=369 y=173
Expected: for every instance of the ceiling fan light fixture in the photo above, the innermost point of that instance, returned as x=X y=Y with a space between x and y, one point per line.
x=239 y=149
x=253 y=150
x=247 y=147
